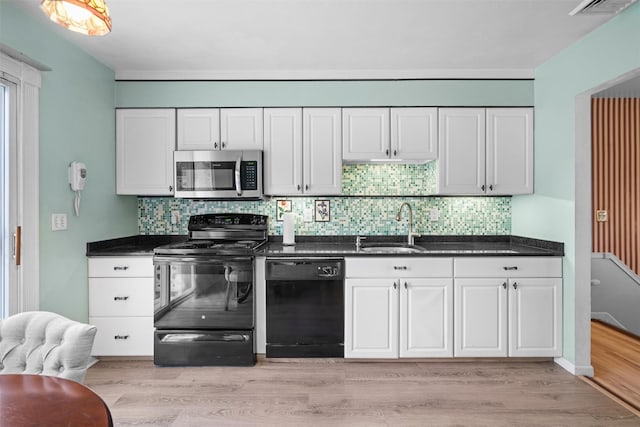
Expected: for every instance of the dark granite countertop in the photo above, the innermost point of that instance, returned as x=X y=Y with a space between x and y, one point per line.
x=140 y=245
x=432 y=245
x=345 y=246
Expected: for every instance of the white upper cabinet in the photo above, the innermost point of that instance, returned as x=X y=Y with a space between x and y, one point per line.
x=322 y=151
x=198 y=129
x=241 y=129
x=414 y=133
x=485 y=151
x=509 y=151
x=220 y=129
x=365 y=134
x=461 y=163
x=283 y=151
x=389 y=134
x=145 y=141
x=302 y=151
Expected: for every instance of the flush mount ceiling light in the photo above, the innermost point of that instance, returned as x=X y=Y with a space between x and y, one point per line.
x=89 y=17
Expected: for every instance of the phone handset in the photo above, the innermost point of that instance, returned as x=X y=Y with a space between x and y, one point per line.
x=77 y=178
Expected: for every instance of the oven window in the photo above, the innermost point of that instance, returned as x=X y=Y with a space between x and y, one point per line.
x=209 y=294
x=205 y=176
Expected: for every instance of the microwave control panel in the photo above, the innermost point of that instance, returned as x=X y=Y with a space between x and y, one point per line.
x=249 y=175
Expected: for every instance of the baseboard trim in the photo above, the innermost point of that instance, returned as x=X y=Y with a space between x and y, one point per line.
x=586 y=371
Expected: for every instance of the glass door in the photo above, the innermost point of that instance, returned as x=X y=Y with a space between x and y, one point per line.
x=10 y=232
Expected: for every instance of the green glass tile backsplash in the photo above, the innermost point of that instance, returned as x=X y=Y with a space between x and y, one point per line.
x=367 y=211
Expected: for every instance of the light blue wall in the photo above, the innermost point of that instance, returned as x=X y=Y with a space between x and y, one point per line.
x=77 y=122
x=496 y=93
x=608 y=52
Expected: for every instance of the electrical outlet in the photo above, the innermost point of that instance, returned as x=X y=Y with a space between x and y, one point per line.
x=175 y=217
x=434 y=214
x=307 y=215
x=58 y=221
x=601 y=216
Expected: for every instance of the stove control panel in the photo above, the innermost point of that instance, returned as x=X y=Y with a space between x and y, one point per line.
x=206 y=221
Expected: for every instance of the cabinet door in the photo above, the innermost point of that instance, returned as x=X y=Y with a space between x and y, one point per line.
x=480 y=317
x=414 y=133
x=241 y=129
x=509 y=151
x=426 y=318
x=145 y=141
x=371 y=318
x=283 y=151
x=365 y=134
x=535 y=317
x=461 y=151
x=198 y=129
x=322 y=151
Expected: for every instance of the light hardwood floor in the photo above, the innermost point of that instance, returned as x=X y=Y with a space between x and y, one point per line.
x=615 y=357
x=353 y=393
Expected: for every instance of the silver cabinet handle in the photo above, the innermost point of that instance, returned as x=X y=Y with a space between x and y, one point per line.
x=395 y=153
x=399 y=267
x=121 y=337
x=504 y=285
x=238 y=183
x=120 y=267
x=171 y=188
x=395 y=285
x=510 y=268
x=299 y=187
x=215 y=145
x=223 y=145
x=120 y=298
x=306 y=187
x=405 y=285
x=491 y=187
x=482 y=187
x=386 y=152
x=515 y=285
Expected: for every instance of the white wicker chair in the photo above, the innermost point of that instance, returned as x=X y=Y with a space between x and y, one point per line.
x=40 y=342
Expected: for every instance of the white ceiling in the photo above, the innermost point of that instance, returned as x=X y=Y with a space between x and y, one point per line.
x=330 y=39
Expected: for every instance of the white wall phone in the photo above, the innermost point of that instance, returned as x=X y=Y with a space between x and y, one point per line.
x=77 y=177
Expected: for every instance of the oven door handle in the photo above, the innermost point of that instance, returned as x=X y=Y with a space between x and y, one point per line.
x=238 y=182
x=200 y=260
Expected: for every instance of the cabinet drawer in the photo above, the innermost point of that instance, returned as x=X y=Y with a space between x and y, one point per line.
x=121 y=297
x=399 y=267
x=123 y=336
x=121 y=266
x=508 y=267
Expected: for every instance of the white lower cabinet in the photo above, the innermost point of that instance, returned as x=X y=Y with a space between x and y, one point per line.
x=508 y=306
x=398 y=307
x=121 y=294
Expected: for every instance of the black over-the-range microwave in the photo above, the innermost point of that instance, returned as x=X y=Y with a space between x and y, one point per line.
x=218 y=174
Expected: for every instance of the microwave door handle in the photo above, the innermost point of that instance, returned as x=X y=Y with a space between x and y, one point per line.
x=238 y=183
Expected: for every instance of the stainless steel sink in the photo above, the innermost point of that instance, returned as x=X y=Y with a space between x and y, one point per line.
x=392 y=248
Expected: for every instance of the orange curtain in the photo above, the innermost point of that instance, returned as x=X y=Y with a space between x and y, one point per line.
x=616 y=179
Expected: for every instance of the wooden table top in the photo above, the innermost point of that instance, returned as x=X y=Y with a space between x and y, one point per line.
x=37 y=400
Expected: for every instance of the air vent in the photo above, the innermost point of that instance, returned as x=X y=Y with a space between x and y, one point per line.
x=601 y=6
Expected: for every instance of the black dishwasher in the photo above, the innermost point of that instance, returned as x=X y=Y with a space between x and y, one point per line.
x=305 y=307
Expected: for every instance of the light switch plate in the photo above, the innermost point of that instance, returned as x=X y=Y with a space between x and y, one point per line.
x=307 y=215
x=434 y=214
x=601 y=216
x=58 y=221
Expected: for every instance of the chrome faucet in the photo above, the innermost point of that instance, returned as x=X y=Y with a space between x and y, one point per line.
x=411 y=235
